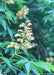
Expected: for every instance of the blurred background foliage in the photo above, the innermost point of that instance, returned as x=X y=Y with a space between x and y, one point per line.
x=41 y=14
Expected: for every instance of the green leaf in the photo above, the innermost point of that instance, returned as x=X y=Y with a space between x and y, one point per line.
x=1 y=44
x=28 y=67
x=49 y=65
x=21 y=73
x=1 y=67
x=26 y=52
x=6 y=43
x=8 y=63
x=19 y=2
x=21 y=61
x=6 y=50
x=1 y=9
x=20 y=65
x=7 y=69
x=10 y=32
x=35 y=71
x=43 y=66
x=3 y=23
x=37 y=67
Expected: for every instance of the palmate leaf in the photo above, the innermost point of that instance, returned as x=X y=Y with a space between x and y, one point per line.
x=49 y=65
x=22 y=73
x=10 y=32
x=7 y=69
x=3 y=23
x=43 y=66
x=1 y=9
x=10 y=16
x=8 y=63
x=1 y=67
x=25 y=52
x=28 y=67
x=36 y=72
x=3 y=32
x=39 y=67
x=21 y=61
x=36 y=67
x=1 y=45
x=6 y=43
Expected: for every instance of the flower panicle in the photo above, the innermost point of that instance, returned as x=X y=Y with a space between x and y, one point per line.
x=9 y=2
x=25 y=35
x=22 y=13
x=13 y=44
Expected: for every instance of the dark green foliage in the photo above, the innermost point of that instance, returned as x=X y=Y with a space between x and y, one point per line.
x=41 y=14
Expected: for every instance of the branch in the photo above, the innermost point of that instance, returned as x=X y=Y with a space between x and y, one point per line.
x=36 y=5
x=33 y=4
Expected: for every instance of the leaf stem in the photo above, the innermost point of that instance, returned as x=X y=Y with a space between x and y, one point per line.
x=16 y=68
x=21 y=56
x=12 y=57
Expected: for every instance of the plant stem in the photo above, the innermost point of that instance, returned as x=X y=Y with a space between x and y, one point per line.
x=12 y=57
x=16 y=68
x=21 y=56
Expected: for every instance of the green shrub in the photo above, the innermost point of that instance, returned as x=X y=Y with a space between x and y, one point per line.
x=15 y=58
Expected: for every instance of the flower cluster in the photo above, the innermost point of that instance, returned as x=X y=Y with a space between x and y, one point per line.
x=13 y=44
x=9 y=1
x=25 y=34
x=22 y=13
x=49 y=60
